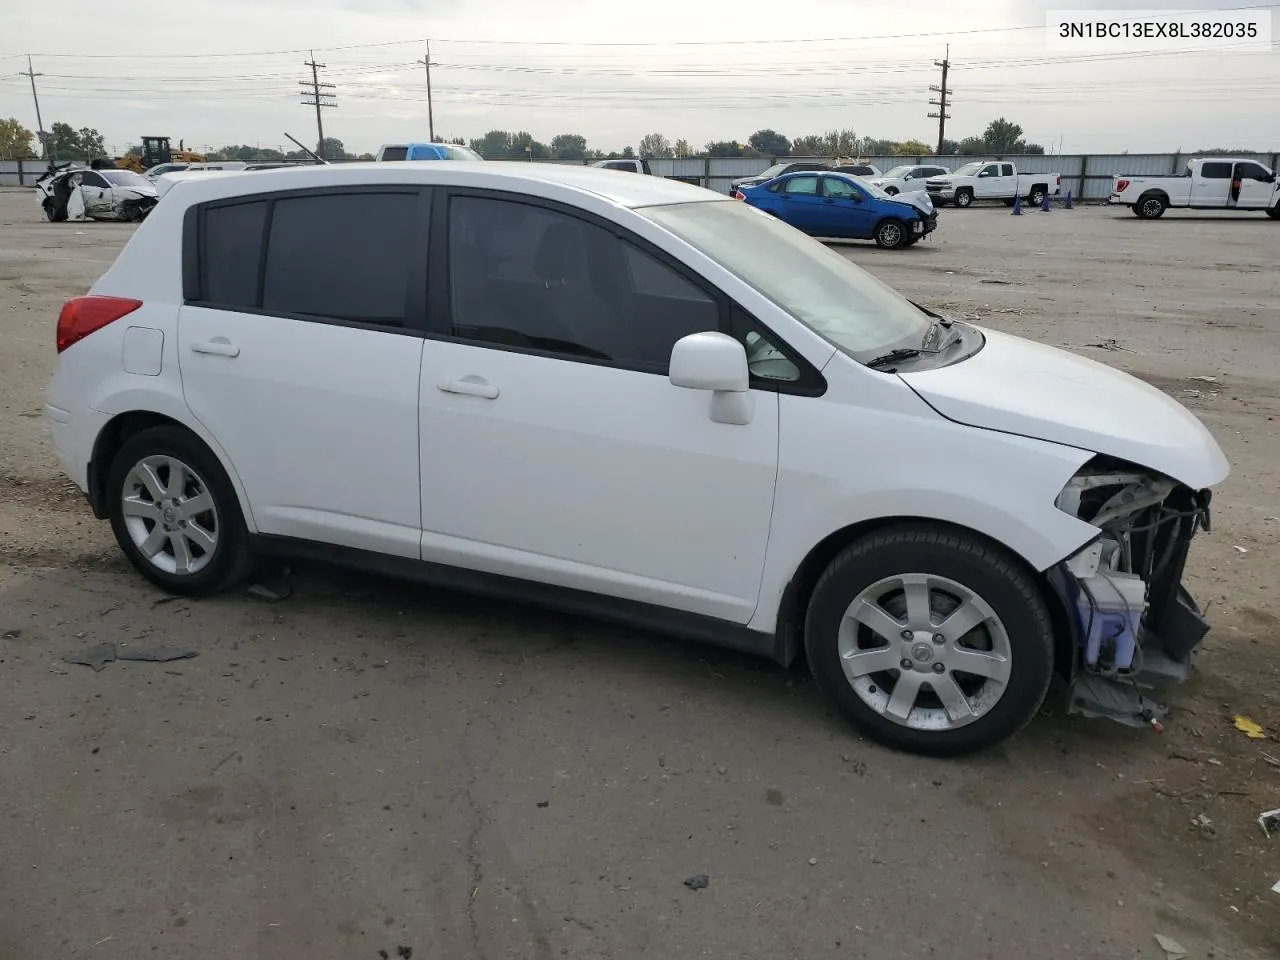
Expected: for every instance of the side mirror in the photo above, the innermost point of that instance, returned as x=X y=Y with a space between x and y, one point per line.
x=718 y=363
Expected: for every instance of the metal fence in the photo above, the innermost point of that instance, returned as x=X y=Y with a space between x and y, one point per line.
x=1087 y=176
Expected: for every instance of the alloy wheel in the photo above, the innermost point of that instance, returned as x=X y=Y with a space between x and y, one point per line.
x=170 y=515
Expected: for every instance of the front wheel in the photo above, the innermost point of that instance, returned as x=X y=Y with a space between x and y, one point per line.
x=891 y=234
x=891 y=191
x=964 y=198
x=175 y=514
x=930 y=640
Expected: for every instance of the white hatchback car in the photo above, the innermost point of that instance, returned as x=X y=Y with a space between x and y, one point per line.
x=645 y=401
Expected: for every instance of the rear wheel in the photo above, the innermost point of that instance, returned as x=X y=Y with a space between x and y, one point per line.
x=175 y=514
x=1150 y=207
x=51 y=212
x=1036 y=197
x=930 y=640
x=891 y=191
x=964 y=197
x=891 y=234
x=1274 y=212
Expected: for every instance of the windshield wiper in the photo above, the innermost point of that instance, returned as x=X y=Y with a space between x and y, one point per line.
x=893 y=356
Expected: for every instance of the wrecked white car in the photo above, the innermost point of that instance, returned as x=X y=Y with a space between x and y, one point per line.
x=80 y=194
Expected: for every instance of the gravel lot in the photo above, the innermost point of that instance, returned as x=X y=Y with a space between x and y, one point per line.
x=367 y=766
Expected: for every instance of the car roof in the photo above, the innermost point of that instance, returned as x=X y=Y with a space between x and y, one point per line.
x=519 y=176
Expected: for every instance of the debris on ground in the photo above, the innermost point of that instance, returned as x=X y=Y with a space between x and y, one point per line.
x=1204 y=379
x=101 y=654
x=1249 y=728
x=1240 y=548
x=1269 y=822
x=1173 y=950
x=97 y=656
x=404 y=952
x=155 y=654
x=272 y=593
x=10 y=634
x=1109 y=344
x=698 y=882
x=1205 y=826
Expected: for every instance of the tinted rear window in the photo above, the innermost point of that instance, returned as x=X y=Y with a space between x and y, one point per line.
x=345 y=256
x=395 y=153
x=232 y=253
x=1216 y=171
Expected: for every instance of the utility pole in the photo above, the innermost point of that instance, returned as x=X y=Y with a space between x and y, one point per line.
x=941 y=102
x=431 y=123
x=317 y=98
x=44 y=146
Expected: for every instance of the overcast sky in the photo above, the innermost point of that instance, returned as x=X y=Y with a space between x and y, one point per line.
x=616 y=71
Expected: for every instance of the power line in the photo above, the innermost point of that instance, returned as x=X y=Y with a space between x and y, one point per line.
x=318 y=100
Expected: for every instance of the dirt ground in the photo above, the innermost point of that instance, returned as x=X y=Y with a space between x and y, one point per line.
x=369 y=769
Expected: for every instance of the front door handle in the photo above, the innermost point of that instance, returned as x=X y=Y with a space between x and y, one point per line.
x=472 y=387
x=218 y=346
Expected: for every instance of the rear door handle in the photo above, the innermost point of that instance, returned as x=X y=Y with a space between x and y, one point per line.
x=219 y=346
x=472 y=387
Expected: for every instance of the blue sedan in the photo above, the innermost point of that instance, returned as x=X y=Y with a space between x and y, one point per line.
x=842 y=206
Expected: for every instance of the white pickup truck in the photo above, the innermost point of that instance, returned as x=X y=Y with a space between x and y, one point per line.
x=992 y=180
x=1210 y=183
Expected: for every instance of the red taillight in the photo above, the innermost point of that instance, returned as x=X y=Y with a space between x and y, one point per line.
x=1059 y=179
x=739 y=195
x=81 y=316
x=1122 y=186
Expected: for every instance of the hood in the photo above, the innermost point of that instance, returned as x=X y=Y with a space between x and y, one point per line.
x=918 y=200
x=939 y=180
x=1022 y=387
x=135 y=193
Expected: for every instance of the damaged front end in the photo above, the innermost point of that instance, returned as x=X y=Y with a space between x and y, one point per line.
x=135 y=209
x=1134 y=624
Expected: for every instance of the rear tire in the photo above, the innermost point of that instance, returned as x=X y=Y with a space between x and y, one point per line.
x=891 y=191
x=964 y=197
x=175 y=513
x=1037 y=195
x=1274 y=212
x=911 y=579
x=51 y=212
x=1150 y=207
x=891 y=234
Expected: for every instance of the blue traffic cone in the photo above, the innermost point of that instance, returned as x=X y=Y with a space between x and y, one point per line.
x=1067 y=203
x=1044 y=204
x=1017 y=206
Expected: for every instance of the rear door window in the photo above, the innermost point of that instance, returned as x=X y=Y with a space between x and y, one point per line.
x=233 y=254
x=395 y=153
x=342 y=256
x=1215 y=171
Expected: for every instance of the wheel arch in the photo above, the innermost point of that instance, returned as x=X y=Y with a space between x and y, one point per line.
x=116 y=431
x=1154 y=192
x=799 y=589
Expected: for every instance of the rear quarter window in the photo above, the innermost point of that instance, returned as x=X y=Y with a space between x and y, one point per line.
x=232 y=247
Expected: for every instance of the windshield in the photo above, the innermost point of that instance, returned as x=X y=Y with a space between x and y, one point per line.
x=775 y=171
x=968 y=170
x=898 y=172
x=868 y=186
x=819 y=287
x=124 y=178
x=455 y=152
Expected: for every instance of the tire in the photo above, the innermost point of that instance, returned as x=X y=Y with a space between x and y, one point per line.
x=218 y=550
x=1274 y=212
x=1150 y=207
x=1036 y=197
x=51 y=212
x=891 y=234
x=964 y=197
x=1012 y=640
x=891 y=191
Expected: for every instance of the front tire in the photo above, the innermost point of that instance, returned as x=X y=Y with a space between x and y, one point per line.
x=175 y=513
x=891 y=234
x=964 y=197
x=930 y=640
x=891 y=191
